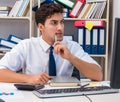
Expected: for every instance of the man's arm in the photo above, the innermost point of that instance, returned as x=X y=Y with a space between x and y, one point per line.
x=7 y=75
x=89 y=70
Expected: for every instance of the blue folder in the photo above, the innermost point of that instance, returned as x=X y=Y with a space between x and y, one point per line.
x=81 y=37
x=88 y=41
x=14 y=39
x=102 y=37
x=6 y=43
x=95 y=40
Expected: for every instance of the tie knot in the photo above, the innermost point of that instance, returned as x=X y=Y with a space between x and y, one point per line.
x=51 y=48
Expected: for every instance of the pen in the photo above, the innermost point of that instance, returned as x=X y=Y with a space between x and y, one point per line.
x=84 y=85
x=55 y=38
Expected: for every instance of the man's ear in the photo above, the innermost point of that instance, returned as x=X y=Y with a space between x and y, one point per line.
x=40 y=26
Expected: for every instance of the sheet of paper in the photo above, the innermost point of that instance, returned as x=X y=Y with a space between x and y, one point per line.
x=8 y=91
x=102 y=83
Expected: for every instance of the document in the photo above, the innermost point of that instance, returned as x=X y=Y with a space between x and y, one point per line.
x=8 y=91
x=64 y=81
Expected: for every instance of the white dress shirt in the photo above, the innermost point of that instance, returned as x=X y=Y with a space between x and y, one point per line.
x=32 y=55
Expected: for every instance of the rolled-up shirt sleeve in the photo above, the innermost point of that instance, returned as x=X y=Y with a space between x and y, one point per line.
x=12 y=60
x=78 y=51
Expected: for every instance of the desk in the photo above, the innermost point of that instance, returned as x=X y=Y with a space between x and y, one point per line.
x=28 y=96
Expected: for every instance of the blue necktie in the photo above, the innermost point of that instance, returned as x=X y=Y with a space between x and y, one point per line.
x=52 y=65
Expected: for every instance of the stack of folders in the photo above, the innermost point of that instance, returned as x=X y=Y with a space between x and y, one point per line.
x=64 y=81
x=84 y=9
x=92 y=41
x=4 y=11
x=10 y=42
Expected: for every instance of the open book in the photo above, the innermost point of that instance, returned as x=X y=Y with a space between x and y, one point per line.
x=64 y=81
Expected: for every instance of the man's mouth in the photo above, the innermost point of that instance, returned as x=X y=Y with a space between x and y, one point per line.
x=58 y=36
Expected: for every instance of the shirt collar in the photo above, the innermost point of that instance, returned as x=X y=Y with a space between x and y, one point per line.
x=43 y=44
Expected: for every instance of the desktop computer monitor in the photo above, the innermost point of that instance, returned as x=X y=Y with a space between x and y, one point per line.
x=115 y=65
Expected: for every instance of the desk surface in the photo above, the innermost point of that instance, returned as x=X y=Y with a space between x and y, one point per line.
x=28 y=96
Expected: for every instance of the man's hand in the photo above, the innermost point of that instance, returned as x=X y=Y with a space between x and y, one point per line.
x=62 y=50
x=41 y=78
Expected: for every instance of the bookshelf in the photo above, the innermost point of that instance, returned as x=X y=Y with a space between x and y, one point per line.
x=19 y=26
x=102 y=59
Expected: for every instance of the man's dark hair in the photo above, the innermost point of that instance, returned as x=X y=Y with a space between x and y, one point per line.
x=47 y=10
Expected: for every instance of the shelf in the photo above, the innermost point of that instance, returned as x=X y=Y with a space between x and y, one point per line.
x=83 y=19
x=16 y=18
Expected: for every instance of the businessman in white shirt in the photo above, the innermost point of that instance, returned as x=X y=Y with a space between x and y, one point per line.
x=32 y=55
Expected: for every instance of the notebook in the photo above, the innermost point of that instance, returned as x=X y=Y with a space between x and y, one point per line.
x=65 y=81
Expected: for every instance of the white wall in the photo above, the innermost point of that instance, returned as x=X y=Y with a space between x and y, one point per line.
x=116 y=8
x=116 y=11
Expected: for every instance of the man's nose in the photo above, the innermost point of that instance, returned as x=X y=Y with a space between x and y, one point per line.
x=60 y=26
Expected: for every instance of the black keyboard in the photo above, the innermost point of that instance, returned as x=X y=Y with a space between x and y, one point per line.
x=46 y=93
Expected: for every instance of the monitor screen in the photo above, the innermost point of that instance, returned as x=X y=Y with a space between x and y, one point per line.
x=115 y=65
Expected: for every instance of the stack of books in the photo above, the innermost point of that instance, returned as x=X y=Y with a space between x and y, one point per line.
x=93 y=10
x=9 y=43
x=85 y=9
x=4 y=11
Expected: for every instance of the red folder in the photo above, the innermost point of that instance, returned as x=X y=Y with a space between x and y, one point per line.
x=82 y=23
x=77 y=8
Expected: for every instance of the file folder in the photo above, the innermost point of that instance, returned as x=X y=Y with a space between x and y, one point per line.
x=66 y=3
x=77 y=8
x=6 y=43
x=102 y=37
x=82 y=23
x=23 y=8
x=15 y=8
x=13 y=38
x=81 y=37
x=95 y=41
x=87 y=46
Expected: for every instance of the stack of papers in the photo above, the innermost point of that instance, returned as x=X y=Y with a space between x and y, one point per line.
x=8 y=91
x=65 y=81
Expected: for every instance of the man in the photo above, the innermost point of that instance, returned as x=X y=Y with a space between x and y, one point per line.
x=32 y=55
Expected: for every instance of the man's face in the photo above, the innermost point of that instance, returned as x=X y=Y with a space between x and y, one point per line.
x=53 y=26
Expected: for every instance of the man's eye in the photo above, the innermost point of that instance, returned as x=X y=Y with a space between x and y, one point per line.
x=54 y=23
